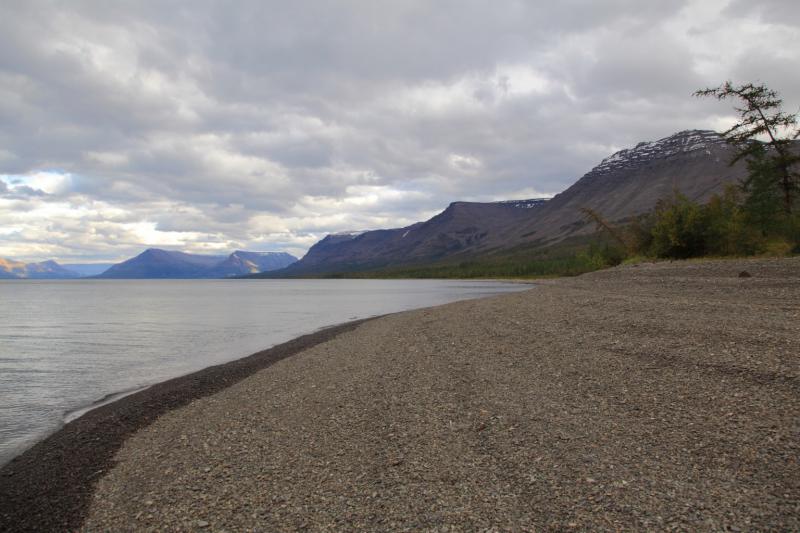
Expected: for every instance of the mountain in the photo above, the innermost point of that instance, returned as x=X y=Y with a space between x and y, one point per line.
x=88 y=269
x=10 y=269
x=624 y=185
x=462 y=225
x=630 y=182
x=241 y=262
x=155 y=263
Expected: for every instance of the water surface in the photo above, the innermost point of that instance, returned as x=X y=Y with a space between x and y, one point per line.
x=65 y=345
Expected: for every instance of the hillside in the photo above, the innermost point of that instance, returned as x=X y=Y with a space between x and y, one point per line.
x=631 y=181
x=463 y=225
x=623 y=185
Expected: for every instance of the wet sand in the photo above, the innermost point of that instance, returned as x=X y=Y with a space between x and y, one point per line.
x=654 y=397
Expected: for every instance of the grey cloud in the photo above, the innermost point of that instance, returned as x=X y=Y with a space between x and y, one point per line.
x=24 y=190
x=201 y=117
x=783 y=12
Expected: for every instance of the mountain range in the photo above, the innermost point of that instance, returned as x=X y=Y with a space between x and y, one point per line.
x=626 y=184
x=623 y=186
x=154 y=263
x=462 y=226
x=10 y=269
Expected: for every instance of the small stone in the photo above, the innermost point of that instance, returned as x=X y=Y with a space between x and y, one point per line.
x=202 y=523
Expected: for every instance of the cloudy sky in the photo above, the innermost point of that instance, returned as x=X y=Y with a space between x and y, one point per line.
x=210 y=126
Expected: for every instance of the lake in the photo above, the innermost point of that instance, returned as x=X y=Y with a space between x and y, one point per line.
x=65 y=346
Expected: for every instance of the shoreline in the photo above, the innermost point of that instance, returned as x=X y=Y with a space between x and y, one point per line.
x=30 y=420
x=74 y=414
x=637 y=398
x=49 y=486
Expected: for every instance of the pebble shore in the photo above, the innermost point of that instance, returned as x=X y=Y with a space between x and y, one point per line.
x=652 y=397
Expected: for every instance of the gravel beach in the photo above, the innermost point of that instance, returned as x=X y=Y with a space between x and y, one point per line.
x=653 y=397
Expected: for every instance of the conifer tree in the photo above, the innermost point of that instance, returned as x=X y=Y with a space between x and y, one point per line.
x=761 y=116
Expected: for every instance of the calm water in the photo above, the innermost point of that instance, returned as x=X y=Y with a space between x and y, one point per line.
x=65 y=345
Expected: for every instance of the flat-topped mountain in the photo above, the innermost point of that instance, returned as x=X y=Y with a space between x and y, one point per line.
x=10 y=269
x=461 y=226
x=624 y=185
x=155 y=263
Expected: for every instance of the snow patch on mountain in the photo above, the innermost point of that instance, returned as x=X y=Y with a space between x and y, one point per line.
x=681 y=142
x=523 y=204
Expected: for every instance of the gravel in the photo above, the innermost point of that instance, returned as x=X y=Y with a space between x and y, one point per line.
x=49 y=487
x=654 y=397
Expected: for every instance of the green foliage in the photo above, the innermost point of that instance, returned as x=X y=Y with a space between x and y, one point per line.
x=678 y=228
x=730 y=224
x=762 y=203
x=728 y=231
x=640 y=232
x=568 y=258
x=756 y=218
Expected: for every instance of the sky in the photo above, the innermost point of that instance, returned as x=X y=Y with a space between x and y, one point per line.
x=210 y=126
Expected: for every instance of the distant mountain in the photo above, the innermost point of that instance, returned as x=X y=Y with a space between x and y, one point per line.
x=155 y=263
x=88 y=269
x=622 y=186
x=241 y=262
x=10 y=269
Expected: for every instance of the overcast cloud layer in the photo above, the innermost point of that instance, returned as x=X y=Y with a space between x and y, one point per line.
x=213 y=126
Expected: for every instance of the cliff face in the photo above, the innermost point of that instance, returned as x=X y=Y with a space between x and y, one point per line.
x=623 y=185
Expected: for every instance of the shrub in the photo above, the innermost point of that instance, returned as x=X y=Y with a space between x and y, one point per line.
x=678 y=229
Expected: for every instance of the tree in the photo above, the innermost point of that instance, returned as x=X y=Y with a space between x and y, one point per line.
x=678 y=229
x=603 y=224
x=761 y=115
x=762 y=195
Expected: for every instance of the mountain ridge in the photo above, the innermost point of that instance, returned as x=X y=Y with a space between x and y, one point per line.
x=444 y=234
x=11 y=269
x=622 y=186
x=155 y=263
